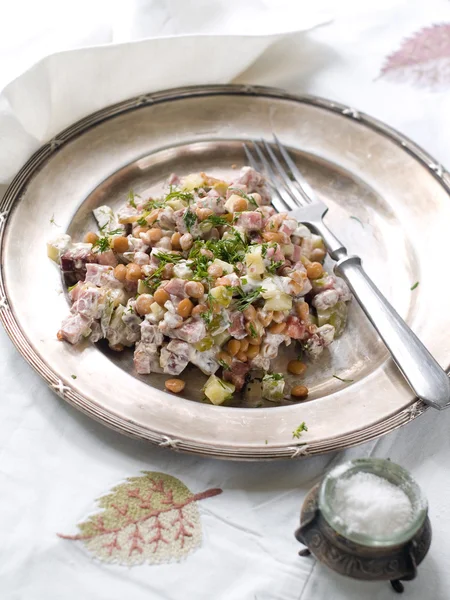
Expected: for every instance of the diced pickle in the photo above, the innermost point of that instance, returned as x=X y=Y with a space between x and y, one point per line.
x=222 y=295
x=336 y=316
x=143 y=288
x=217 y=390
x=204 y=344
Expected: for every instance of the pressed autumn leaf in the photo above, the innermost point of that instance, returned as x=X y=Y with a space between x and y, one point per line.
x=152 y=518
x=423 y=59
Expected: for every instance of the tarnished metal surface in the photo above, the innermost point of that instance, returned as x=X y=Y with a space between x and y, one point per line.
x=361 y=169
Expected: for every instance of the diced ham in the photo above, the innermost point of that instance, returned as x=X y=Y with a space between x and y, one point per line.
x=326 y=299
x=297 y=253
x=107 y=258
x=319 y=340
x=141 y=258
x=250 y=220
x=205 y=361
x=170 y=323
x=295 y=328
x=167 y=218
x=73 y=263
x=150 y=334
x=270 y=343
x=288 y=226
x=176 y=287
x=102 y=276
x=342 y=288
x=138 y=244
x=213 y=202
x=146 y=358
x=324 y=283
x=90 y=302
x=275 y=253
x=192 y=331
x=174 y=357
x=237 y=327
x=173 y=179
x=237 y=373
x=74 y=327
x=253 y=182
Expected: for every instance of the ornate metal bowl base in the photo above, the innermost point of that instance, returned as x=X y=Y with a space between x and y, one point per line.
x=392 y=563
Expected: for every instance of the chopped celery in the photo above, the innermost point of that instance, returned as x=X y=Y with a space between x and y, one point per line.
x=336 y=316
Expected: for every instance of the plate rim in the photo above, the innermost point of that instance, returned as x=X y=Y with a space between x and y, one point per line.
x=122 y=425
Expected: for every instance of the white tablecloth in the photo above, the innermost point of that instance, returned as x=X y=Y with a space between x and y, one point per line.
x=54 y=461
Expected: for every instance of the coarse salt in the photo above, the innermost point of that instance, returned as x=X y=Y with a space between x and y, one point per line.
x=370 y=505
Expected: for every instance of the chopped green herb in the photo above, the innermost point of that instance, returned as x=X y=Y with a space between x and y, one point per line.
x=243 y=281
x=53 y=222
x=276 y=376
x=274 y=266
x=102 y=244
x=343 y=380
x=298 y=432
x=73 y=376
x=216 y=220
x=359 y=221
x=249 y=199
x=115 y=231
x=264 y=248
x=70 y=288
x=223 y=364
x=142 y=222
x=253 y=332
x=131 y=198
x=247 y=298
x=179 y=195
x=413 y=287
x=167 y=257
x=189 y=219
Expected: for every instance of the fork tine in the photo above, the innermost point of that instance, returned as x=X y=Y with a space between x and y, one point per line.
x=279 y=204
x=287 y=198
x=251 y=160
x=299 y=198
x=303 y=185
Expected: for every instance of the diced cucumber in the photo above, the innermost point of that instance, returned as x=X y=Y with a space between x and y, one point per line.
x=176 y=204
x=226 y=267
x=217 y=390
x=143 y=288
x=221 y=338
x=273 y=387
x=222 y=295
x=336 y=316
x=204 y=344
x=221 y=187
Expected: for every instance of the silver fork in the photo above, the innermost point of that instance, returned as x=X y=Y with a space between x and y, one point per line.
x=427 y=379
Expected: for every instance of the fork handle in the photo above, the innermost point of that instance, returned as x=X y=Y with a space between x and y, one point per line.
x=427 y=379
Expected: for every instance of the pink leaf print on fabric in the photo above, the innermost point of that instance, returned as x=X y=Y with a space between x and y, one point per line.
x=152 y=518
x=423 y=59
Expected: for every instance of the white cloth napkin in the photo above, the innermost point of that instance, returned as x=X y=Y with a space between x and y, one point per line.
x=53 y=460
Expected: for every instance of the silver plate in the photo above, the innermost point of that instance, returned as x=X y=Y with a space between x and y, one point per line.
x=362 y=169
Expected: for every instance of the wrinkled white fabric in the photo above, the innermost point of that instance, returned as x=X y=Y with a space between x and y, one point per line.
x=54 y=461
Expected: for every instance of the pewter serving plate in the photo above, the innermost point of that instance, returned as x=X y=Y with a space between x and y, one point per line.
x=359 y=166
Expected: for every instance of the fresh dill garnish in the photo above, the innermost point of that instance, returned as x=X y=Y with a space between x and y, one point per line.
x=231 y=249
x=53 y=222
x=142 y=222
x=253 y=332
x=264 y=248
x=152 y=204
x=413 y=287
x=276 y=376
x=103 y=244
x=359 y=221
x=245 y=299
x=298 y=432
x=73 y=376
x=179 y=195
x=216 y=220
x=249 y=199
x=189 y=219
x=207 y=316
x=223 y=364
x=343 y=380
x=131 y=198
x=274 y=266
x=115 y=231
x=167 y=257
